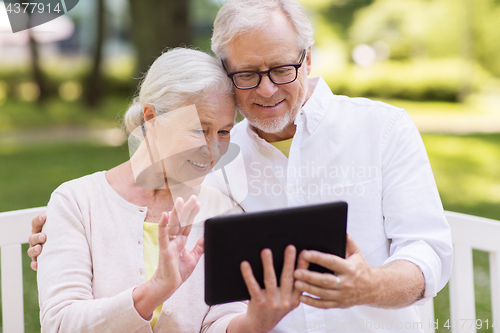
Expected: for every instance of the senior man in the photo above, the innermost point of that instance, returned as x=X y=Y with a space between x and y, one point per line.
x=303 y=145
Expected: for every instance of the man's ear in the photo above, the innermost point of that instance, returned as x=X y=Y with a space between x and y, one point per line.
x=308 y=60
x=149 y=112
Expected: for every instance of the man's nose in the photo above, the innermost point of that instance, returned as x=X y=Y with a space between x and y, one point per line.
x=266 y=87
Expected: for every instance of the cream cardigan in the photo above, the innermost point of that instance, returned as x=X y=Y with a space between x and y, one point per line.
x=93 y=259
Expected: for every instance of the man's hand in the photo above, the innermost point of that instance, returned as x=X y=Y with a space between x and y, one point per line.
x=268 y=306
x=394 y=285
x=36 y=239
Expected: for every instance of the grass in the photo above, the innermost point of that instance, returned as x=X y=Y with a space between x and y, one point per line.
x=472 y=107
x=16 y=115
x=466 y=169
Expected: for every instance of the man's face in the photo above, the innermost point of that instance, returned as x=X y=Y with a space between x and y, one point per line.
x=270 y=108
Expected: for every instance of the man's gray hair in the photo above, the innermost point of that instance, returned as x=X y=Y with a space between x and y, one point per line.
x=177 y=78
x=237 y=17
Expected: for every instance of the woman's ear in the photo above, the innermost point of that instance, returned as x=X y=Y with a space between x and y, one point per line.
x=149 y=112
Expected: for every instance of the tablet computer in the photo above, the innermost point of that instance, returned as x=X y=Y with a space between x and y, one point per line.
x=229 y=240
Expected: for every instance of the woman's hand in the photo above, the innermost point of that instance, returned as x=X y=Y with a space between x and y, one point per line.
x=175 y=263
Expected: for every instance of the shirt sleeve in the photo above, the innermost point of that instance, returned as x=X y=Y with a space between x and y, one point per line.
x=65 y=279
x=219 y=316
x=413 y=214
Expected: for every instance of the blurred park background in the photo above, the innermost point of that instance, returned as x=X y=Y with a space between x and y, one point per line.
x=65 y=85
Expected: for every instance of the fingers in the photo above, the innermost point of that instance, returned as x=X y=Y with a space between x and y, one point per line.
x=183 y=215
x=174 y=225
x=319 y=303
x=319 y=284
x=34 y=251
x=194 y=211
x=330 y=261
x=185 y=231
x=198 y=249
x=35 y=239
x=289 y=294
x=37 y=223
x=188 y=211
x=270 y=281
x=351 y=246
x=302 y=263
x=163 y=237
x=286 y=279
x=250 y=281
x=34 y=265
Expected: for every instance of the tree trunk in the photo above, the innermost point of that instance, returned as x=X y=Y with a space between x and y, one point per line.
x=38 y=75
x=36 y=69
x=93 y=86
x=157 y=25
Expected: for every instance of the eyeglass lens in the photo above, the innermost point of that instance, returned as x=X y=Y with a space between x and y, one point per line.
x=280 y=75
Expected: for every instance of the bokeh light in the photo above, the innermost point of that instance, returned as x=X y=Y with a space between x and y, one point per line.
x=28 y=91
x=70 y=91
x=4 y=88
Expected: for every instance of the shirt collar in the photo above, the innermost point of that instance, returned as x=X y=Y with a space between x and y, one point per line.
x=315 y=108
x=254 y=137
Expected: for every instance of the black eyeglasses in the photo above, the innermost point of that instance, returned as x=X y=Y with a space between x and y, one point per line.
x=278 y=75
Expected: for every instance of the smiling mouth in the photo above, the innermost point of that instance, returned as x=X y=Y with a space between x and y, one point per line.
x=269 y=105
x=198 y=164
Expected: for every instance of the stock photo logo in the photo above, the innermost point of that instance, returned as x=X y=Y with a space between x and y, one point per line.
x=26 y=15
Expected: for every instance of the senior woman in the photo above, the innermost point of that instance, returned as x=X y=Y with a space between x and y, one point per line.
x=114 y=260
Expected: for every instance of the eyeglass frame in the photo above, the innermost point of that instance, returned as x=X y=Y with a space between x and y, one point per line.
x=268 y=72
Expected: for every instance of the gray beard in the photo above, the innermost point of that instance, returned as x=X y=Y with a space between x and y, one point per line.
x=273 y=126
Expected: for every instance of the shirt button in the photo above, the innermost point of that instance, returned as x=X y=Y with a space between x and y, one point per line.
x=141 y=271
x=141 y=210
x=292 y=191
x=139 y=242
x=167 y=312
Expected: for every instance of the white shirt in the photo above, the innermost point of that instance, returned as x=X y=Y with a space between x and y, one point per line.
x=370 y=155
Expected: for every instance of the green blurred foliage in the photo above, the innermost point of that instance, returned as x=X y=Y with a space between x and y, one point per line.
x=117 y=77
x=433 y=29
x=424 y=79
x=436 y=46
x=439 y=49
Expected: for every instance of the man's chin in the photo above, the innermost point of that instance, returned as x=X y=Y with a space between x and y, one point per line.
x=271 y=126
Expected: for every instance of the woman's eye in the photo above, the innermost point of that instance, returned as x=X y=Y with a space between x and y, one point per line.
x=199 y=131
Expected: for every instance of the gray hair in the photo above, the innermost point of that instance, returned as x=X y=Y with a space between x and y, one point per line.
x=176 y=78
x=237 y=17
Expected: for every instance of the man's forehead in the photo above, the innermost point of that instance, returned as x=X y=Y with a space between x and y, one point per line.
x=274 y=43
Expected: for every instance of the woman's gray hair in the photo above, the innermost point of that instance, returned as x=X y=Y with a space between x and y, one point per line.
x=177 y=78
x=237 y=17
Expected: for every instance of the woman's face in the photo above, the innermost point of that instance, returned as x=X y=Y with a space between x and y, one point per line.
x=192 y=139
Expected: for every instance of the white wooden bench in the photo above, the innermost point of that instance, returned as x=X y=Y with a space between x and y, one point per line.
x=468 y=232
x=15 y=227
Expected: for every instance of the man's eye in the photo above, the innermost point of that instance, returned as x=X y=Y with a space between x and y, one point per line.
x=282 y=71
x=224 y=132
x=246 y=76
